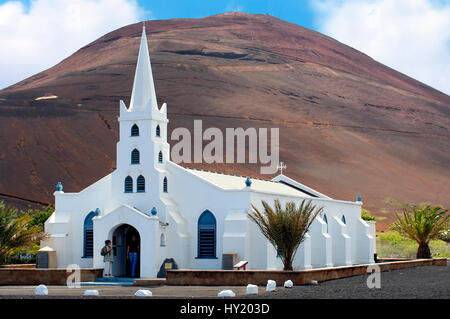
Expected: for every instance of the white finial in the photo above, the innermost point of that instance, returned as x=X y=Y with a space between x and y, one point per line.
x=281 y=166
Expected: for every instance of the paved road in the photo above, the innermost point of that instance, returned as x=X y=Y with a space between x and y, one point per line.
x=418 y=282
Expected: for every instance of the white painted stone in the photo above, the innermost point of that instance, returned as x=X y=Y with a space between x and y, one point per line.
x=91 y=292
x=288 y=284
x=226 y=293
x=41 y=290
x=271 y=285
x=313 y=282
x=252 y=289
x=143 y=293
x=190 y=193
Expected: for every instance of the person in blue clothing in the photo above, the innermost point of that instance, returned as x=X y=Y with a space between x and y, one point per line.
x=133 y=254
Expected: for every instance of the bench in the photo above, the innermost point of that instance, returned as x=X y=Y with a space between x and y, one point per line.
x=241 y=265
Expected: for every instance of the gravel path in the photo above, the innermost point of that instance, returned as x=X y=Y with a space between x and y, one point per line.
x=418 y=282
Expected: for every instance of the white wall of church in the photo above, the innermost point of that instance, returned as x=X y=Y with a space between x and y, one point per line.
x=67 y=222
x=193 y=196
x=331 y=243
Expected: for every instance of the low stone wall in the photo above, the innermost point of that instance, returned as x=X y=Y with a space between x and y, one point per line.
x=149 y=282
x=51 y=276
x=301 y=277
x=386 y=260
x=19 y=266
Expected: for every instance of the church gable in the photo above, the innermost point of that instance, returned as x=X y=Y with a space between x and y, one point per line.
x=125 y=213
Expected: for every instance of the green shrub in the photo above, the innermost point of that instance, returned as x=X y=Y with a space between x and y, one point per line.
x=392 y=244
x=17 y=235
x=20 y=233
x=285 y=228
x=365 y=215
x=39 y=216
x=421 y=223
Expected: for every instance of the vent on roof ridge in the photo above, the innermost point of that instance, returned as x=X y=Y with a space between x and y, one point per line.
x=300 y=189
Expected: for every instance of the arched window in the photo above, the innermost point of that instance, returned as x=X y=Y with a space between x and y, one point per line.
x=135 y=130
x=158 y=131
x=325 y=220
x=165 y=185
x=160 y=157
x=88 y=235
x=206 y=235
x=343 y=219
x=162 y=240
x=128 y=184
x=140 y=184
x=135 y=157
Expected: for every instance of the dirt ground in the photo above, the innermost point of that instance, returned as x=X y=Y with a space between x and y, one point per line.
x=432 y=282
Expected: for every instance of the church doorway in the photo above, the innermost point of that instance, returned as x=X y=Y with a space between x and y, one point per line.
x=121 y=240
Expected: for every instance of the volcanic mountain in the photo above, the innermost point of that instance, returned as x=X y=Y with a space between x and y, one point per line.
x=348 y=124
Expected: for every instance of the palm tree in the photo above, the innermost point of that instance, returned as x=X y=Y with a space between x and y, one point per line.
x=15 y=232
x=285 y=228
x=421 y=224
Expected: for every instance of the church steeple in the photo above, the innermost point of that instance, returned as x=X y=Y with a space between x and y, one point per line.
x=143 y=125
x=143 y=96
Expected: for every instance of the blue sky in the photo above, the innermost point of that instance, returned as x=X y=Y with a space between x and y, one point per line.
x=411 y=36
x=296 y=11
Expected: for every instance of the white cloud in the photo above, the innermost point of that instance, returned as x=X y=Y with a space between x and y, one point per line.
x=234 y=6
x=411 y=36
x=36 y=38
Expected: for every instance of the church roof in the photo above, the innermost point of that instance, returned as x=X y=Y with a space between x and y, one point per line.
x=234 y=182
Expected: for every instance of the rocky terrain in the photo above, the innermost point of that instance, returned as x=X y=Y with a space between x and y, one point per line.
x=348 y=124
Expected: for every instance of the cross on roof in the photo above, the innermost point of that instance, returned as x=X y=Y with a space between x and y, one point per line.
x=281 y=166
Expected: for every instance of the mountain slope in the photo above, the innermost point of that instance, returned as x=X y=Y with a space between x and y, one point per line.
x=348 y=124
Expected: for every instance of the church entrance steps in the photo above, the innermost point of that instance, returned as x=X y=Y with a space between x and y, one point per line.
x=110 y=281
x=148 y=282
x=298 y=277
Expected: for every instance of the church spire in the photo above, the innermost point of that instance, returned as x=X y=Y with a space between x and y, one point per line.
x=143 y=96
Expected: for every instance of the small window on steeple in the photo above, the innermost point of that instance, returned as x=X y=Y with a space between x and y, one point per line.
x=165 y=185
x=158 y=131
x=160 y=157
x=135 y=157
x=128 y=184
x=135 y=130
x=140 y=184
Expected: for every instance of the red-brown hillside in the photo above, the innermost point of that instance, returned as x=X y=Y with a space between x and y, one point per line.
x=348 y=124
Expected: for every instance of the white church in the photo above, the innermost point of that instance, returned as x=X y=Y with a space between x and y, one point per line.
x=189 y=215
